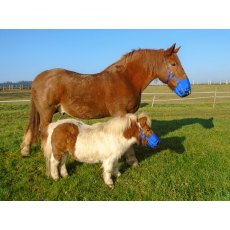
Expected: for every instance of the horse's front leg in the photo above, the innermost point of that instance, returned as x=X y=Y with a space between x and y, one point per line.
x=26 y=143
x=46 y=118
x=130 y=157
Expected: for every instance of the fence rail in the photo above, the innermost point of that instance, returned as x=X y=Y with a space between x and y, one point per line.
x=214 y=96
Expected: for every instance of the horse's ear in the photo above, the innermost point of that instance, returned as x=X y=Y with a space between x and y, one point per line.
x=176 y=50
x=170 y=50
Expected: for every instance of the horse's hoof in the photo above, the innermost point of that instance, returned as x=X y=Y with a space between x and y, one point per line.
x=25 y=152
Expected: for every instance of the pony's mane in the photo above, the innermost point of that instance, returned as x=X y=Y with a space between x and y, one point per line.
x=116 y=125
x=141 y=54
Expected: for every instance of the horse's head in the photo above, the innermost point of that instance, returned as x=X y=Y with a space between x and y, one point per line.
x=173 y=74
x=146 y=134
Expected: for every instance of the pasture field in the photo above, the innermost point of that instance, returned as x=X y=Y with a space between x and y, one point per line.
x=192 y=161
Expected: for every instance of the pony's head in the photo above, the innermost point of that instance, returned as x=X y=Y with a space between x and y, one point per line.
x=140 y=128
x=173 y=74
x=147 y=135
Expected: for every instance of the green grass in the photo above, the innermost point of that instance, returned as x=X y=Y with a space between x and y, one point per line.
x=192 y=161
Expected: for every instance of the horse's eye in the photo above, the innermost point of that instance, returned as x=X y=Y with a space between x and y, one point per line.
x=173 y=64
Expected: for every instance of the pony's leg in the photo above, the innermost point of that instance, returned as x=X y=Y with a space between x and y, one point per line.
x=26 y=143
x=54 y=168
x=130 y=157
x=108 y=169
x=116 y=171
x=63 y=170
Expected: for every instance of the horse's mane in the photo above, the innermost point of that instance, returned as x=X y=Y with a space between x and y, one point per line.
x=143 y=55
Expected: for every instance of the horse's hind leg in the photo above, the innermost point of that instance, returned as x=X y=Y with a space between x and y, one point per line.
x=32 y=132
x=130 y=157
x=46 y=118
x=25 y=146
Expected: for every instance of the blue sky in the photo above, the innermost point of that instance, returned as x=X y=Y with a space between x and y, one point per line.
x=204 y=54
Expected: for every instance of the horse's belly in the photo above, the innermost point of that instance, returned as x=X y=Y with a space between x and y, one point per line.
x=86 y=111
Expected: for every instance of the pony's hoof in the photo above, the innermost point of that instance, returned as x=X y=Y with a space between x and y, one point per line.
x=55 y=178
x=135 y=164
x=118 y=174
x=132 y=163
x=111 y=186
x=64 y=175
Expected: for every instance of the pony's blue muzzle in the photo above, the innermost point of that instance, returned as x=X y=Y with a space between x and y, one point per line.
x=183 y=88
x=153 y=141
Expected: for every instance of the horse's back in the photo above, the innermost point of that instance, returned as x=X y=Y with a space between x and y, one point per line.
x=53 y=75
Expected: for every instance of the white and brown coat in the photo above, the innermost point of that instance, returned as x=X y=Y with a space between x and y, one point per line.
x=102 y=142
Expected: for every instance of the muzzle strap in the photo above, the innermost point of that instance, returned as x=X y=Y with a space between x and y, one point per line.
x=152 y=141
x=183 y=87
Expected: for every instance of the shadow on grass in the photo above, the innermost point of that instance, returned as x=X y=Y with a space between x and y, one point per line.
x=143 y=104
x=174 y=144
x=71 y=166
x=164 y=127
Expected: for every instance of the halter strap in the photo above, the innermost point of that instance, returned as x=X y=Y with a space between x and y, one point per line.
x=152 y=141
x=170 y=74
x=142 y=135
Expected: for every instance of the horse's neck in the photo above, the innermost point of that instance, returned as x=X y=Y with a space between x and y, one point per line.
x=140 y=76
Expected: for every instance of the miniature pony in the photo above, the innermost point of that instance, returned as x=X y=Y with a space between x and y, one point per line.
x=102 y=142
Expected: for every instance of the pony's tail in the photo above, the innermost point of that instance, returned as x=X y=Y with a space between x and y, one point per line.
x=34 y=122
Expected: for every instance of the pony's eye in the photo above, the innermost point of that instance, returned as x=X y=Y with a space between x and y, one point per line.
x=173 y=64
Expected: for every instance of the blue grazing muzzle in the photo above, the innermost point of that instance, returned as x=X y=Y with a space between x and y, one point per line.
x=152 y=141
x=183 y=87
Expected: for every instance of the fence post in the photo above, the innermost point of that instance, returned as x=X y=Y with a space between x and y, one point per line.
x=214 y=101
x=153 y=101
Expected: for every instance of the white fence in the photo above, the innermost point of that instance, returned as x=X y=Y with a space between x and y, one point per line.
x=207 y=95
x=213 y=94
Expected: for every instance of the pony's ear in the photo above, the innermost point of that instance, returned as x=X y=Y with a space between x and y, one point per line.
x=142 y=121
x=170 y=50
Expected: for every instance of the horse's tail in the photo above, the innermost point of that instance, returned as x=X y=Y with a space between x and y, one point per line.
x=34 y=122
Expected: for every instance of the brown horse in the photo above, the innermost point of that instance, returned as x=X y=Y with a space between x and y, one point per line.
x=112 y=92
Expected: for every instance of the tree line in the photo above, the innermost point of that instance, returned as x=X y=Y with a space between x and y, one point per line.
x=16 y=85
